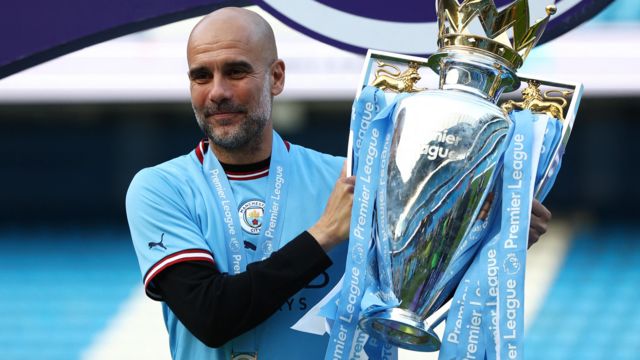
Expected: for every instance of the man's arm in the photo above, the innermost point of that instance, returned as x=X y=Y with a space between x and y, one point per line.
x=218 y=307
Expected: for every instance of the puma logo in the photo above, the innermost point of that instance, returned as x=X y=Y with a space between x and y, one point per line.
x=153 y=244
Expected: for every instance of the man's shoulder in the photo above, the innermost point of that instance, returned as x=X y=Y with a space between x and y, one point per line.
x=316 y=159
x=173 y=172
x=177 y=166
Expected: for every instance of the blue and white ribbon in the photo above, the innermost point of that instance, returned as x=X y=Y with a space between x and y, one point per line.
x=271 y=231
x=275 y=203
x=370 y=130
x=486 y=317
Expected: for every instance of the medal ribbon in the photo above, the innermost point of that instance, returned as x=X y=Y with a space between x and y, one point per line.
x=271 y=231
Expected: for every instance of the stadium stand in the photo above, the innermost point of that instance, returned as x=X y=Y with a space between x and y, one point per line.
x=60 y=288
x=591 y=311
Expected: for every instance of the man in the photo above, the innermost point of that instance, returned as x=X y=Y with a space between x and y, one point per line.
x=238 y=237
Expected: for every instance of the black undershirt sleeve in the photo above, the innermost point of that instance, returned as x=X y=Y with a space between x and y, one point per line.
x=217 y=307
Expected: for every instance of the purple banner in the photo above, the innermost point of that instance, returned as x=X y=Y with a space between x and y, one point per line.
x=402 y=26
x=405 y=11
x=34 y=31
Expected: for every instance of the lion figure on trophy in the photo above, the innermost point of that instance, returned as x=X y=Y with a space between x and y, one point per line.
x=396 y=80
x=535 y=101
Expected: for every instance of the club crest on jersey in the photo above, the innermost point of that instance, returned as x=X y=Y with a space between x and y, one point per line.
x=251 y=214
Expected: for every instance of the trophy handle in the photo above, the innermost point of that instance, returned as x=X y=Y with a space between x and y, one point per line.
x=350 y=155
x=567 y=124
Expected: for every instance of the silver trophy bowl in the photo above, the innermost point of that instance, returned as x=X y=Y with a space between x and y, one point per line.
x=444 y=153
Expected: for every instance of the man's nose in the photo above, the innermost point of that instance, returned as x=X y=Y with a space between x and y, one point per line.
x=220 y=90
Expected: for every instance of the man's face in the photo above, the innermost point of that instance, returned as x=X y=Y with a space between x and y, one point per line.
x=232 y=123
x=231 y=90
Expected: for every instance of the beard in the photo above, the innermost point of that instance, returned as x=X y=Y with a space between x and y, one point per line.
x=248 y=132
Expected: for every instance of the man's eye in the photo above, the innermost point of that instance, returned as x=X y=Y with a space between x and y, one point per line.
x=200 y=77
x=237 y=73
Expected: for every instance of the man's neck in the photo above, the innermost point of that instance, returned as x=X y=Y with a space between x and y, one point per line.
x=250 y=154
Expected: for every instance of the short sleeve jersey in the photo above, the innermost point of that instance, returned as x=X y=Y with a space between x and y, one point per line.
x=171 y=220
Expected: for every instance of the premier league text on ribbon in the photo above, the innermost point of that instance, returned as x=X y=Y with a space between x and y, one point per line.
x=356 y=279
x=371 y=156
x=515 y=190
x=369 y=112
x=275 y=205
x=354 y=293
x=215 y=178
x=346 y=341
x=519 y=156
x=476 y=321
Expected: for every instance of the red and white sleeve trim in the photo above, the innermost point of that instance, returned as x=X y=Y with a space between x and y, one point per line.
x=181 y=256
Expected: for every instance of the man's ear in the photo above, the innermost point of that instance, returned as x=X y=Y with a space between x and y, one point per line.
x=277 y=77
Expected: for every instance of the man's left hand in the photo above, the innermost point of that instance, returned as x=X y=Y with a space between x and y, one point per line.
x=540 y=217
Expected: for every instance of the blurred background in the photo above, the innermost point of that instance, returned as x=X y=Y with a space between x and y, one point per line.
x=76 y=129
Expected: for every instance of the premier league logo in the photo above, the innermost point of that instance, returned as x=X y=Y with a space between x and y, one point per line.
x=251 y=214
x=511 y=264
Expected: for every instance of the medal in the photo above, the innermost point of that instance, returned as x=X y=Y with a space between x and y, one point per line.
x=244 y=356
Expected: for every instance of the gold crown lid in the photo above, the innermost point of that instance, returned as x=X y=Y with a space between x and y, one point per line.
x=454 y=19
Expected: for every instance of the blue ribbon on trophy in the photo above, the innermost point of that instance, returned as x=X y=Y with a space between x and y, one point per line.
x=495 y=279
x=365 y=287
x=370 y=123
x=444 y=184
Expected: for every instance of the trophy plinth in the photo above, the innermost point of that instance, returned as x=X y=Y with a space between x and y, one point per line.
x=401 y=328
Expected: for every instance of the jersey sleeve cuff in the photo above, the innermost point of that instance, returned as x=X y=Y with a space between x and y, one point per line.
x=172 y=259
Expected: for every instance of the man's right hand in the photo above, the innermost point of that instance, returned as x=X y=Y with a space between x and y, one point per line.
x=333 y=226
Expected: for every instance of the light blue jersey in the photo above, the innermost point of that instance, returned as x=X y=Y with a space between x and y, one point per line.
x=171 y=221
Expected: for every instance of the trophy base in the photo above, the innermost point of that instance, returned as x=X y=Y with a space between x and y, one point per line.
x=401 y=328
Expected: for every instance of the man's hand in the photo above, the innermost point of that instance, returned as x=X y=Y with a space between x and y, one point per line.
x=333 y=226
x=540 y=217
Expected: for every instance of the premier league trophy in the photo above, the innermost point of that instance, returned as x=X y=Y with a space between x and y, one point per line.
x=444 y=158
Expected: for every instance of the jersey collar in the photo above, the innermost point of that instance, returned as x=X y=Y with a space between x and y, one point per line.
x=239 y=172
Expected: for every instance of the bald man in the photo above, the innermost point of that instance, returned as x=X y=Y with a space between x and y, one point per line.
x=238 y=238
